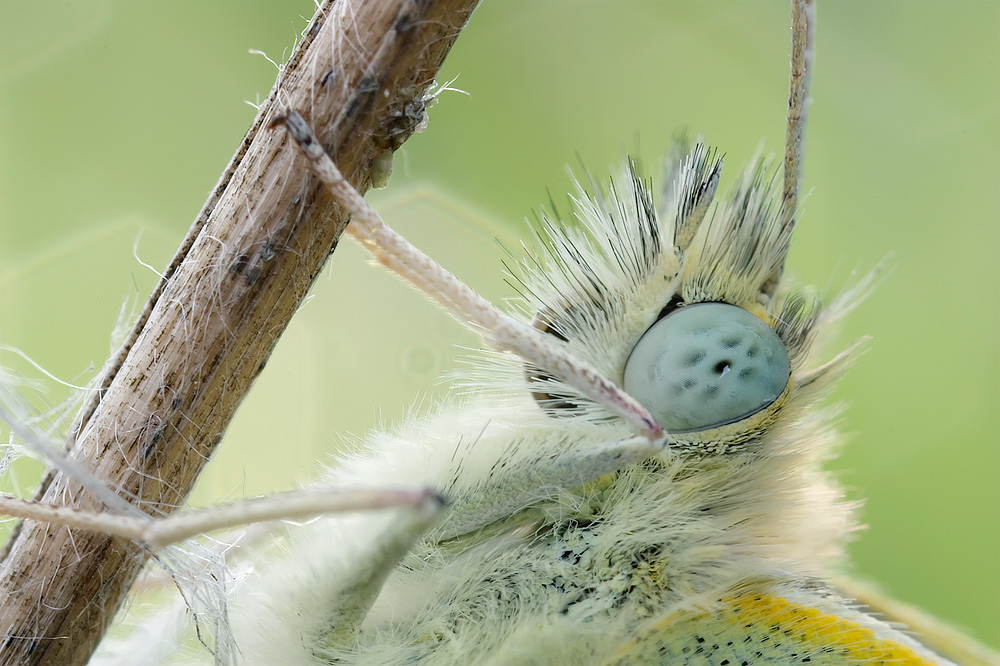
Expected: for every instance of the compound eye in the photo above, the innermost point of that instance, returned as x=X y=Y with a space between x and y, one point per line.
x=705 y=366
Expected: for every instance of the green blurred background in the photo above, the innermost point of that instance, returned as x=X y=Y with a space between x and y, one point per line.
x=116 y=117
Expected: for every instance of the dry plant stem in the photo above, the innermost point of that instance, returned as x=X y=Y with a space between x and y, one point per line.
x=360 y=74
x=469 y=308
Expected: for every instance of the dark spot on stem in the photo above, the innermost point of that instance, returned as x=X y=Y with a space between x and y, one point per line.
x=268 y=252
x=239 y=264
x=404 y=23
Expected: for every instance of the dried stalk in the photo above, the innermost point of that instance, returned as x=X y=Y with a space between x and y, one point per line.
x=359 y=77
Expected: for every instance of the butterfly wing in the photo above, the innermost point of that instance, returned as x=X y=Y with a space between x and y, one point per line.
x=772 y=622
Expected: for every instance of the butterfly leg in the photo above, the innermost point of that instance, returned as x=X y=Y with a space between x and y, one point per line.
x=520 y=487
x=398 y=255
x=360 y=583
x=157 y=533
x=322 y=589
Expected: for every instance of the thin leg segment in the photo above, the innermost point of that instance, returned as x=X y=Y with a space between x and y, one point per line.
x=157 y=533
x=519 y=488
x=351 y=603
x=398 y=255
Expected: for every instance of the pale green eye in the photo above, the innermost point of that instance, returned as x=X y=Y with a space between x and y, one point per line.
x=706 y=365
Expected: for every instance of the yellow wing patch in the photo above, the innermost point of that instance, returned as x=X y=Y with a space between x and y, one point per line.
x=764 y=628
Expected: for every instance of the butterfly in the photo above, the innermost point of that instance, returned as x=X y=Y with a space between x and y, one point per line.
x=560 y=397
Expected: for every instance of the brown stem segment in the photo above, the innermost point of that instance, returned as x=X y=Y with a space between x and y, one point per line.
x=359 y=75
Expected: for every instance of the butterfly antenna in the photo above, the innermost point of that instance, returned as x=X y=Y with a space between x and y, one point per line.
x=803 y=18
